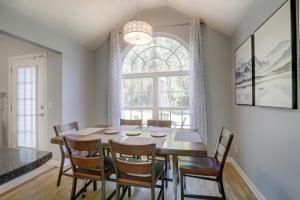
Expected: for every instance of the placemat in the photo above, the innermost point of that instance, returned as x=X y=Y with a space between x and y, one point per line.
x=144 y=140
x=188 y=136
x=88 y=131
x=157 y=130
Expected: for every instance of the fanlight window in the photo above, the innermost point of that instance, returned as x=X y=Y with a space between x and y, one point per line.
x=155 y=82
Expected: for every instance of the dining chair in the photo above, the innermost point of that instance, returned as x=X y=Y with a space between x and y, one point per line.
x=159 y=123
x=131 y=122
x=94 y=167
x=208 y=167
x=162 y=124
x=61 y=130
x=137 y=172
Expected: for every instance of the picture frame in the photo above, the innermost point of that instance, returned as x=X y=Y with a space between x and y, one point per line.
x=275 y=79
x=244 y=73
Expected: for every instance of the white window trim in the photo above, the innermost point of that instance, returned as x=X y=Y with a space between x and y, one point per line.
x=155 y=108
x=154 y=75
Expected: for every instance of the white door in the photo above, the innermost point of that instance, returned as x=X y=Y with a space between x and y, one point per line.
x=27 y=97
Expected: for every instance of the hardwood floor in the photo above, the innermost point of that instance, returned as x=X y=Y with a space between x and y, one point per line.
x=44 y=188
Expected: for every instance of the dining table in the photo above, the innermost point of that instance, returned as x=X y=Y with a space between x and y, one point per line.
x=169 y=141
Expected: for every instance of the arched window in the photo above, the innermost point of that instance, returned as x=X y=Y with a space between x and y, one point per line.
x=155 y=81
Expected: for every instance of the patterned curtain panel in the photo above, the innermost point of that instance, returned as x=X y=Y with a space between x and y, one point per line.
x=115 y=78
x=197 y=93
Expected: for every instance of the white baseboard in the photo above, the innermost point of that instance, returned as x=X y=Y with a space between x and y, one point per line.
x=250 y=184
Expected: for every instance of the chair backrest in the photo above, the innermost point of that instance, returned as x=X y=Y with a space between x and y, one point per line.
x=131 y=168
x=131 y=122
x=223 y=146
x=85 y=154
x=66 y=128
x=159 y=123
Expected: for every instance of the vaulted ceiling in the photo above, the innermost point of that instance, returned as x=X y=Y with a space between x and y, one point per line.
x=89 y=21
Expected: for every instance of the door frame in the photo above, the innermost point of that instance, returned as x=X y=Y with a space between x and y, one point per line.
x=11 y=136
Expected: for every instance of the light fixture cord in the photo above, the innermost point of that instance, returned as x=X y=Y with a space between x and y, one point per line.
x=137 y=9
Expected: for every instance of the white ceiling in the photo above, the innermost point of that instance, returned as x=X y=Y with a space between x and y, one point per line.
x=89 y=21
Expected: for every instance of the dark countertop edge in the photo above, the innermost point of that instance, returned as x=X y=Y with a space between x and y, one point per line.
x=15 y=173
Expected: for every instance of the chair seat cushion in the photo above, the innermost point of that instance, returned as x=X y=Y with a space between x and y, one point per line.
x=95 y=174
x=206 y=166
x=162 y=157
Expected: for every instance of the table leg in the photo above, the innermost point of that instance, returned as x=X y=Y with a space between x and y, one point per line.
x=175 y=176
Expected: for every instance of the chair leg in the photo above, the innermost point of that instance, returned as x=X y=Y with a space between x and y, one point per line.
x=103 y=190
x=169 y=163
x=62 y=162
x=95 y=185
x=166 y=170
x=153 y=192
x=129 y=191
x=182 y=180
x=118 y=191
x=163 y=187
x=73 y=192
x=222 y=188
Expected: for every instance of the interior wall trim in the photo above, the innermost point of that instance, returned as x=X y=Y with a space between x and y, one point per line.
x=247 y=180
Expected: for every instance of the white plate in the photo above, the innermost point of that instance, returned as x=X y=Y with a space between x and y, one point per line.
x=133 y=133
x=111 y=131
x=158 y=134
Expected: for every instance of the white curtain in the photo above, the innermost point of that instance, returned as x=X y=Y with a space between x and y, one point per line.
x=197 y=93
x=115 y=79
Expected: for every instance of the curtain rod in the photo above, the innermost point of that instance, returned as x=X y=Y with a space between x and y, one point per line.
x=174 y=25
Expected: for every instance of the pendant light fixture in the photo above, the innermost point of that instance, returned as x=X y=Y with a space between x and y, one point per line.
x=137 y=32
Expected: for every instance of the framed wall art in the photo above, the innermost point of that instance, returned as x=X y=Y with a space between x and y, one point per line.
x=244 y=91
x=276 y=59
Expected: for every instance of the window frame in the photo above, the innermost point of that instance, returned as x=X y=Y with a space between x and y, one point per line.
x=155 y=76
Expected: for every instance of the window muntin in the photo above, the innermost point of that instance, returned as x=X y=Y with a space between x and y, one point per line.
x=163 y=54
x=138 y=92
x=155 y=82
x=173 y=91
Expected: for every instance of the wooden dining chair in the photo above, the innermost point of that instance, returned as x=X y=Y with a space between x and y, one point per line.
x=131 y=122
x=162 y=124
x=94 y=167
x=61 y=130
x=208 y=167
x=137 y=172
x=159 y=123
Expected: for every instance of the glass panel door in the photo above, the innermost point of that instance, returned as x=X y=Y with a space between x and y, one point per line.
x=27 y=98
x=26 y=107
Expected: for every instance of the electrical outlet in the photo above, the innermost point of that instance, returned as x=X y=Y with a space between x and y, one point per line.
x=236 y=148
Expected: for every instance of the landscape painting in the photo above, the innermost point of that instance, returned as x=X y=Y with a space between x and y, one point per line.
x=243 y=74
x=274 y=80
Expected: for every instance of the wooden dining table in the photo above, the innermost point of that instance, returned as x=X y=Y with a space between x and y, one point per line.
x=171 y=144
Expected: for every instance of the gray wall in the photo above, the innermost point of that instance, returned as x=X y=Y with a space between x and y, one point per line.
x=268 y=139
x=78 y=64
x=78 y=67
x=216 y=48
x=102 y=72
x=9 y=47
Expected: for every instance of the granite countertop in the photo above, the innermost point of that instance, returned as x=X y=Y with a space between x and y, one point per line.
x=15 y=162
